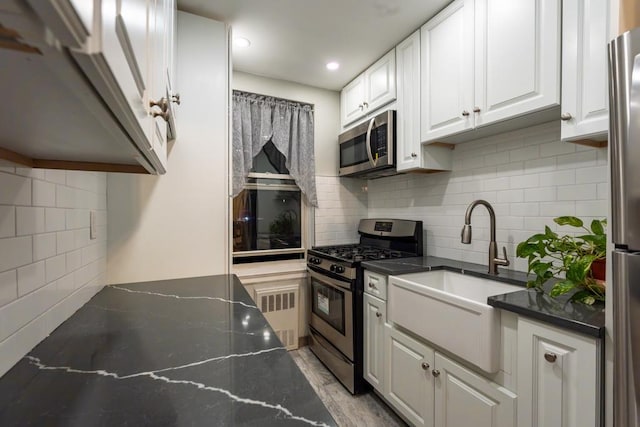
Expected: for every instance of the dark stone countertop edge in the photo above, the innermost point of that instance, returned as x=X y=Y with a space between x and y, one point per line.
x=516 y=302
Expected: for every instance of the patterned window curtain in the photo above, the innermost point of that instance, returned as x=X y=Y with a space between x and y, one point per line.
x=259 y=119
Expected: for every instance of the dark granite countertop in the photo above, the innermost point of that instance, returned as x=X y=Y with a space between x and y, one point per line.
x=589 y=320
x=178 y=352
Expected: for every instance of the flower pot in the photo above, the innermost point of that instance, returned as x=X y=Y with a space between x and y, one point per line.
x=599 y=269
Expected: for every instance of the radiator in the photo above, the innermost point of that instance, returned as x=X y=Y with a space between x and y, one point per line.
x=280 y=307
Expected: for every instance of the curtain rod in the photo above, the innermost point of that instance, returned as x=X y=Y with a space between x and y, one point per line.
x=304 y=104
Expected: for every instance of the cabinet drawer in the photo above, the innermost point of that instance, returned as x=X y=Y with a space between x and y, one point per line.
x=375 y=284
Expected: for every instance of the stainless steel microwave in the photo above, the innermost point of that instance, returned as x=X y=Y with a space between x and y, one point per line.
x=368 y=150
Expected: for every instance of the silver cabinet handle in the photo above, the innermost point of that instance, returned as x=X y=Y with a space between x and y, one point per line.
x=465 y=113
x=476 y=109
x=371 y=286
x=176 y=98
x=565 y=116
x=414 y=155
x=365 y=104
x=425 y=365
x=163 y=104
x=361 y=107
x=550 y=357
x=164 y=114
x=435 y=373
x=378 y=314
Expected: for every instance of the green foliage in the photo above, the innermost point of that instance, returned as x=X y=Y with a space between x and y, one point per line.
x=551 y=255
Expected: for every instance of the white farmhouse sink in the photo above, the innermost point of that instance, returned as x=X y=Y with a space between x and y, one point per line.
x=450 y=310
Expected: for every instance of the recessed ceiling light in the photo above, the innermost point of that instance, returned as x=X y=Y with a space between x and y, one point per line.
x=333 y=66
x=241 y=42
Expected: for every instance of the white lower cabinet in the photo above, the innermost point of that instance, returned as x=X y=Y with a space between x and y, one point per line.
x=464 y=398
x=375 y=317
x=429 y=389
x=558 y=377
x=409 y=382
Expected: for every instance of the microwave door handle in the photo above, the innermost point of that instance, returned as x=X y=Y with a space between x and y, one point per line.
x=368 y=142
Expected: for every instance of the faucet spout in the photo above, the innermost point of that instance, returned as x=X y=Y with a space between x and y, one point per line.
x=465 y=235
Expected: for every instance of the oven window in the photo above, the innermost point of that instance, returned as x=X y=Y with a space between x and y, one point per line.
x=268 y=215
x=328 y=304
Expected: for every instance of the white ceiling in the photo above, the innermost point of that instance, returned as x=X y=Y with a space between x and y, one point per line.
x=294 y=39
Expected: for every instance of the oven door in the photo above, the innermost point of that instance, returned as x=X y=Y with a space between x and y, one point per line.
x=332 y=311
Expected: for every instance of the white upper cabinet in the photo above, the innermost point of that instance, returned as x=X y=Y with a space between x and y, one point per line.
x=114 y=59
x=517 y=58
x=585 y=102
x=486 y=61
x=447 y=71
x=408 y=103
x=370 y=90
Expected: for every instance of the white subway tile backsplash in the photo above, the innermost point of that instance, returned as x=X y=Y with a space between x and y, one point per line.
x=16 y=252
x=15 y=190
x=577 y=192
x=54 y=219
x=8 y=287
x=540 y=194
x=30 y=278
x=39 y=287
x=29 y=220
x=44 y=193
x=531 y=178
x=44 y=246
x=7 y=221
x=55 y=176
x=592 y=175
x=55 y=268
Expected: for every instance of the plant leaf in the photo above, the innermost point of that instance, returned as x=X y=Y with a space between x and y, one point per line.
x=569 y=220
x=584 y=297
x=562 y=288
x=549 y=233
x=597 y=228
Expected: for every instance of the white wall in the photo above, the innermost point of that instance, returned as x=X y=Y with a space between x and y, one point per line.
x=326 y=113
x=529 y=176
x=48 y=265
x=176 y=225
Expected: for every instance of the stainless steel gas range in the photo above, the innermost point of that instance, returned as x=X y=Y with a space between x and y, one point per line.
x=337 y=290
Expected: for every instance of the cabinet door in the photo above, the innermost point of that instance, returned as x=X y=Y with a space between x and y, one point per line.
x=517 y=58
x=408 y=105
x=447 y=72
x=585 y=102
x=375 y=316
x=409 y=381
x=463 y=398
x=158 y=67
x=380 y=82
x=558 y=377
x=352 y=99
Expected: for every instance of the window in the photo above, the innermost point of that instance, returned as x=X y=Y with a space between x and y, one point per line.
x=268 y=215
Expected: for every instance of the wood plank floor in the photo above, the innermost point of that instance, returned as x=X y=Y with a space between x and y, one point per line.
x=348 y=410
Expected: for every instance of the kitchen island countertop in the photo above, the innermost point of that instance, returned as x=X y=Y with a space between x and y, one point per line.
x=193 y=351
x=589 y=320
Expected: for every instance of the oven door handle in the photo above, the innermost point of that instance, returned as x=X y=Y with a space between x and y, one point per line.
x=322 y=342
x=330 y=281
x=373 y=161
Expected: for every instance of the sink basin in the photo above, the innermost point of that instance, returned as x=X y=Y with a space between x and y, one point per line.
x=450 y=310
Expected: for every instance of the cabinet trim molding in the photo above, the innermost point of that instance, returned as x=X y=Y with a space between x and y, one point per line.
x=20 y=159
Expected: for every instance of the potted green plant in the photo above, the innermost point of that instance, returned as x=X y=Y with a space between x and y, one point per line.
x=568 y=258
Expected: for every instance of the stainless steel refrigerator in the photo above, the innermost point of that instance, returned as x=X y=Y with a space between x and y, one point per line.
x=624 y=143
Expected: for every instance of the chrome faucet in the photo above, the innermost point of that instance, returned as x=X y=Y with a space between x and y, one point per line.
x=494 y=261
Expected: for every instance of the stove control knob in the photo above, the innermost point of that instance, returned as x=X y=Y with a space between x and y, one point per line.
x=333 y=267
x=339 y=269
x=315 y=261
